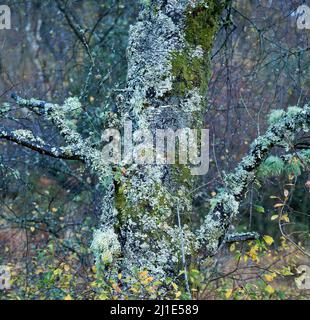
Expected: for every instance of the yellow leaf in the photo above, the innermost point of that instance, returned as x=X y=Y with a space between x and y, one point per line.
x=39 y=270
x=32 y=229
x=269 y=277
x=269 y=240
x=54 y=210
x=232 y=248
x=57 y=271
x=68 y=297
x=278 y=205
x=274 y=217
x=66 y=267
x=228 y=293
x=253 y=253
x=286 y=271
x=134 y=290
x=178 y=294
x=175 y=286
x=270 y=289
x=285 y=218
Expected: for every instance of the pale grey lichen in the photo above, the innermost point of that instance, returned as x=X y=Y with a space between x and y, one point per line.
x=27 y=134
x=292 y=111
x=275 y=116
x=72 y=106
x=4 y=109
x=142 y=203
x=105 y=245
x=195 y=3
x=198 y=52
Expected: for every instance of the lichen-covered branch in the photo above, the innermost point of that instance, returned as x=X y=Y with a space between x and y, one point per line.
x=76 y=145
x=225 y=206
x=26 y=139
x=32 y=104
x=244 y=236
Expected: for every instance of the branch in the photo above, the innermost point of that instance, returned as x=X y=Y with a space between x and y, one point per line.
x=302 y=143
x=246 y=236
x=78 y=146
x=26 y=139
x=77 y=29
x=226 y=205
x=32 y=104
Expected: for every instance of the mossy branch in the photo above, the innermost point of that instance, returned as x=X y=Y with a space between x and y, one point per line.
x=226 y=205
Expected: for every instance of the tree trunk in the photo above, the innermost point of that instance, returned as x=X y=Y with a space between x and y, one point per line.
x=168 y=72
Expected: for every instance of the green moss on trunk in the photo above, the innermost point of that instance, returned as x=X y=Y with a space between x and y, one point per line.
x=191 y=66
x=202 y=23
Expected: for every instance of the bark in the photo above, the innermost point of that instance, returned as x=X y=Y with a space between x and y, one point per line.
x=168 y=71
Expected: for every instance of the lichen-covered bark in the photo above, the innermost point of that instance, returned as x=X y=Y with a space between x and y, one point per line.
x=168 y=68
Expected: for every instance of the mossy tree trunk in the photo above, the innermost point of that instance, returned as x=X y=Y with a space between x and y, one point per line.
x=168 y=72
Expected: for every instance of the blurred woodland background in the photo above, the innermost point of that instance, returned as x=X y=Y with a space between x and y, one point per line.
x=48 y=207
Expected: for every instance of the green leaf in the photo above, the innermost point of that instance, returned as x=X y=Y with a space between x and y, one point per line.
x=259 y=209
